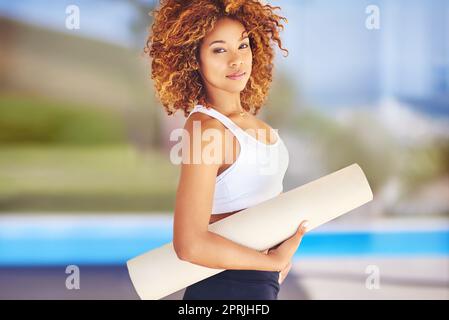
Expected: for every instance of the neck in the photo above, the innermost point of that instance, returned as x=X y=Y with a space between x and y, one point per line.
x=226 y=104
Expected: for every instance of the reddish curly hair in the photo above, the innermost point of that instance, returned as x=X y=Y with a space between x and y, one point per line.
x=175 y=38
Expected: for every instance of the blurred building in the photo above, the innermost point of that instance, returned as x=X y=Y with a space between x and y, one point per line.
x=338 y=61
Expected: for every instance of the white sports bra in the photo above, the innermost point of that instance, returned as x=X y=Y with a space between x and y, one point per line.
x=257 y=173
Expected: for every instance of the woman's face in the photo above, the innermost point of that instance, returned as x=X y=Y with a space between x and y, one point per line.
x=225 y=51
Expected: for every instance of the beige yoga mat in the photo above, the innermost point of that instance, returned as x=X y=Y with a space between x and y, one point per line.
x=158 y=273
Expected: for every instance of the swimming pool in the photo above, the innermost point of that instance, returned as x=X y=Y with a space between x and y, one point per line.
x=112 y=240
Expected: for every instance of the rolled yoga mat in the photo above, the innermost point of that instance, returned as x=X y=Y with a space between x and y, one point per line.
x=159 y=272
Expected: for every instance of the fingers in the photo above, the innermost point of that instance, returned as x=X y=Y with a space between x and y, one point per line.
x=283 y=274
x=287 y=267
x=300 y=232
x=303 y=228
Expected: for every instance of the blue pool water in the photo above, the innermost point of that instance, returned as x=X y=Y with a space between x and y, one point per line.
x=95 y=242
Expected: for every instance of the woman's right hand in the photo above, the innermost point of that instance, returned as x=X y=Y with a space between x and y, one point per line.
x=283 y=252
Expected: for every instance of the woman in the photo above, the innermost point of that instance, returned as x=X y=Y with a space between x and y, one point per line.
x=213 y=59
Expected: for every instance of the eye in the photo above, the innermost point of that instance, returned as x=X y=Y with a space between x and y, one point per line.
x=243 y=44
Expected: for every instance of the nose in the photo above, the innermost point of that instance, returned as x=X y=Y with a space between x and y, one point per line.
x=236 y=60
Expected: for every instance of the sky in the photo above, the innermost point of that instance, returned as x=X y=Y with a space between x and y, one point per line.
x=104 y=20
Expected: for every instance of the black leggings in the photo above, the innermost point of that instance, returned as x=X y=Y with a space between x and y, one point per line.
x=236 y=285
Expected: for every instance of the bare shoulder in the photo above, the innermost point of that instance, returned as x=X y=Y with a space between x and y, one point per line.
x=199 y=127
x=206 y=121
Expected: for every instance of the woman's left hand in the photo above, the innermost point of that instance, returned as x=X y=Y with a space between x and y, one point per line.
x=283 y=273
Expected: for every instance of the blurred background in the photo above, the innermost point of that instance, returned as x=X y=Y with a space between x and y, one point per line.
x=85 y=174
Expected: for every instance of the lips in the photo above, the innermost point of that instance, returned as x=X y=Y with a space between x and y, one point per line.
x=236 y=74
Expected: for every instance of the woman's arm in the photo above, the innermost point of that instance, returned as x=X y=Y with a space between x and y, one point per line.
x=192 y=240
x=213 y=251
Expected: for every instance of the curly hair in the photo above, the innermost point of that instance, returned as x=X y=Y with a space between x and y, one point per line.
x=175 y=38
